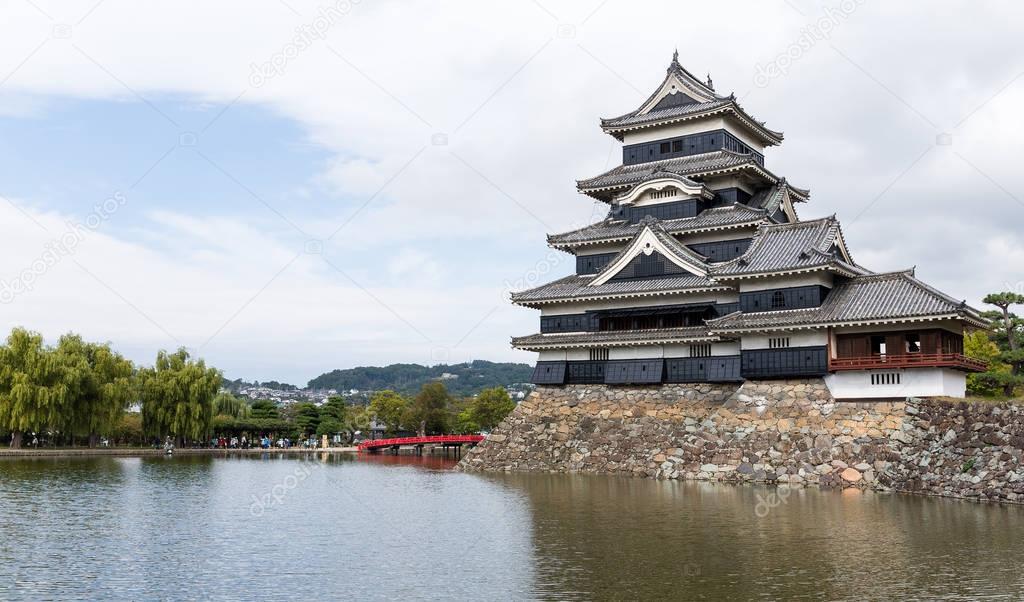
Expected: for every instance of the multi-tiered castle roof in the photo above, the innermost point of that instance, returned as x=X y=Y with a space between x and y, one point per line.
x=703 y=271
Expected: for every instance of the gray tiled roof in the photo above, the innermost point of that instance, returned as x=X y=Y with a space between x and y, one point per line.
x=624 y=175
x=577 y=287
x=653 y=336
x=789 y=247
x=894 y=295
x=611 y=230
x=632 y=118
x=702 y=92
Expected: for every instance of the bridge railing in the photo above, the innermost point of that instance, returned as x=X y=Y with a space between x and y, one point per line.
x=399 y=441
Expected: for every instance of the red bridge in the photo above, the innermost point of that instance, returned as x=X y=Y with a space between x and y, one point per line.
x=442 y=440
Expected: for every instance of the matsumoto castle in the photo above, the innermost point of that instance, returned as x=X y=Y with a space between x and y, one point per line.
x=704 y=272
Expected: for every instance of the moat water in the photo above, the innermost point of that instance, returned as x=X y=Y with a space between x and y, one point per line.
x=374 y=528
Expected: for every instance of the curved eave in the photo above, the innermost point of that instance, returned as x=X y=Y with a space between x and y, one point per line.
x=769 y=137
x=709 y=338
x=846 y=323
x=572 y=246
x=537 y=303
x=835 y=269
x=801 y=196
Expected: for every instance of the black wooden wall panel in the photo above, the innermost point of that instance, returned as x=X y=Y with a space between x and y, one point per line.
x=682 y=146
x=728 y=196
x=785 y=363
x=592 y=264
x=648 y=266
x=585 y=372
x=566 y=323
x=633 y=372
x=549 y=373
x=722 y=250
x=716 y=368
x=670 y=210
x=797 y=297
x=724 y=309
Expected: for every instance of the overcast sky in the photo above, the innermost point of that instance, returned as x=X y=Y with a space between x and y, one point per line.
x=287 y=186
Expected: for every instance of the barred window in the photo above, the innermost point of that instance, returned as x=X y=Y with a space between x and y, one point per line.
x=778 y=300
x=598 y=355
x=703 y=350
x=778 y=342
x=885 y=378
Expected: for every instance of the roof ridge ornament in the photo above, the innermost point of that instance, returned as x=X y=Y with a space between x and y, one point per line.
x=711 y=84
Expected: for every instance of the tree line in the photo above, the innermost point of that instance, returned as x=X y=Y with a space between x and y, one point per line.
x=434 y=410
x=431 y=411
x=79 y=392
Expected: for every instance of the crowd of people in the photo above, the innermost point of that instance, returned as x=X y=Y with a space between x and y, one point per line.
x=264 y=442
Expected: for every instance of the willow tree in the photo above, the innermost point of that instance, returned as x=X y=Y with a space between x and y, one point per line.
x=177 y=396
x=226 y=404
x=33 y=388
x=100 y=386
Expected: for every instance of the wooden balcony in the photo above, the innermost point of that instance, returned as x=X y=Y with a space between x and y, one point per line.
x=957 y=361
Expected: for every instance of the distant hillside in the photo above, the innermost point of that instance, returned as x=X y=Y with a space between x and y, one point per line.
x=461 y=379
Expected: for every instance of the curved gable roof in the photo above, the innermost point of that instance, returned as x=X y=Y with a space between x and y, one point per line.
x=700 y=99
x=792 y=247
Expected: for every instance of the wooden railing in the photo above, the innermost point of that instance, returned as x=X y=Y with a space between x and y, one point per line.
x=909 y=360
x=430 y=439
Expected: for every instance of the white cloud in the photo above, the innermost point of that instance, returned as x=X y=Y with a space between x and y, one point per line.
x=518 y=99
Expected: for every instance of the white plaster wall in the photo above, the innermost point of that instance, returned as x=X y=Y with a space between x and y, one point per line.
x=561 y=355
x=796 y=339
x=733 y=182
x=721 y=348
x=597 y=249
x=639 y=352
x=760 y=284
x=551 y=355
x=914 y=382
x=954 y=383
x=693 y=127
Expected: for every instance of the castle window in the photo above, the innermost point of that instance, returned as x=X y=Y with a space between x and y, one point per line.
x=665 y=192
x=913 y=342
x=700 y=350
x=664 y=148
x=778 y=300
x=885 y=378
x=677 y=146
x=597 y=355
x=778 y=342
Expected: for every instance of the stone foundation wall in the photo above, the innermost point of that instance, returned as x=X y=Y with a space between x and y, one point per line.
x=769 y=431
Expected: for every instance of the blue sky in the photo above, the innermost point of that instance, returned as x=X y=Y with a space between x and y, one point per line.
x=444 y=140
